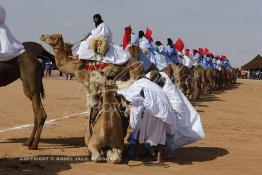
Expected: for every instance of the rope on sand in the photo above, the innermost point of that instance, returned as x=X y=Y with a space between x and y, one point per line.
x=47 y=122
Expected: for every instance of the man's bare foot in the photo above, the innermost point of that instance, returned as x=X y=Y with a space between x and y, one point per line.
x=160 y=149
x=159 y=159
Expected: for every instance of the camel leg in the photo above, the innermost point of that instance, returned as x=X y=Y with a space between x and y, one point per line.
x=28 y=94
x=32 y=85
x=93 y=147
x=41 y=117
x=39 y=120
x=87 y=134
x=96 y=156
x=30 y=140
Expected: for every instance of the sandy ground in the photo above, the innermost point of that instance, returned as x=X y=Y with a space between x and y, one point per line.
x=232 y=121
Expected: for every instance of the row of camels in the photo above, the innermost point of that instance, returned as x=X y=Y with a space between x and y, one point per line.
x=101 y=86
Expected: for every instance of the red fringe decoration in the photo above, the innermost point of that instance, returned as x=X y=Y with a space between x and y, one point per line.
x=99 y=66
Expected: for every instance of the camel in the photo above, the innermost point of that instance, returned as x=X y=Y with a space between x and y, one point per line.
x=211 y=80
x=231 y=76
x=205 y=82
x=182 y=76
x=235 y=75
x=130 y=70
x=198 y=81
x=107 y=139
x=68 y=50
x=93 y=81
x=223 y=77
x=26 y=67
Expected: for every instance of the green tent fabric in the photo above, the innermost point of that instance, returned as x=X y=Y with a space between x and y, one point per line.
x=256 y=63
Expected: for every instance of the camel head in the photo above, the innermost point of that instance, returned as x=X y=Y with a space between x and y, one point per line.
x=94 y=82
x=51 y=39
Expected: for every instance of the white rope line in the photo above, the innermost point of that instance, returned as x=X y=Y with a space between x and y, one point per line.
x=46 y=123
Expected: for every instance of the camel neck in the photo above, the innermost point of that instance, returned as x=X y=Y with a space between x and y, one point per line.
x=107 y=99
x=63 y=62
x=59 y=50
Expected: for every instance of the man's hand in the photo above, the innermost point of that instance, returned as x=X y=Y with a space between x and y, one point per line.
x=86 y=36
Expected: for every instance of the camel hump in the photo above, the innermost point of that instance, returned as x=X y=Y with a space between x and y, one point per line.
x=13 y=61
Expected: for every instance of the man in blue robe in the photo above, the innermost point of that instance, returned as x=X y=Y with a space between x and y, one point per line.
x=151 y=53
x=171 y=51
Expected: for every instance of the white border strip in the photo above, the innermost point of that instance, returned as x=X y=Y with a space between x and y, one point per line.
x=46 y=123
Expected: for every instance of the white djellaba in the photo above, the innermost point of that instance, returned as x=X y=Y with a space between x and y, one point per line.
x=187 y=60
x=115 y=54
x=163 y=115
x=188 y=128
x=10 y=47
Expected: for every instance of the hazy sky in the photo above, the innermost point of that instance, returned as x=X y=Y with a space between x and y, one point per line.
x=230 y=27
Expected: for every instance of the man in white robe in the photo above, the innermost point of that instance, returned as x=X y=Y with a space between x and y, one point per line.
x=10 y=47
x=188 y=128
x=141 y=57
x=188 y=61
x=181 y=126
x=219 y=64
x=115 y=54
x=151 y=112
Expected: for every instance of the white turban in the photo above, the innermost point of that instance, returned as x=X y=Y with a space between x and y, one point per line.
x=2 y=14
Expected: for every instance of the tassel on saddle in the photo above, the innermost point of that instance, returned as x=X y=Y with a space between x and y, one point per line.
x=99 y=45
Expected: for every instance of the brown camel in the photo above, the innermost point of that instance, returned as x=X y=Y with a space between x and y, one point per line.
x=204 y=83
x=93 y=81
x=65 y=63
x=223 y=77
x=198 y=81
x=182 y=76
x=211 y=80
x=107 y=139
x=90 y=79
x=215 y=77
x=28 y=69
x=231 y=76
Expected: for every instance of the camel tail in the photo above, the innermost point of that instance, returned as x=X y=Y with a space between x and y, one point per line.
x=42 y=90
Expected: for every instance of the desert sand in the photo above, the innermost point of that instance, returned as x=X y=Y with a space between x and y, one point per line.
x=232 y=121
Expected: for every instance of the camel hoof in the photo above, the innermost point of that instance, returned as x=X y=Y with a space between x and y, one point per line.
x=114 y=156
x=118 y=160
x=96 y=157
x=27 y=143
x=33 y=147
